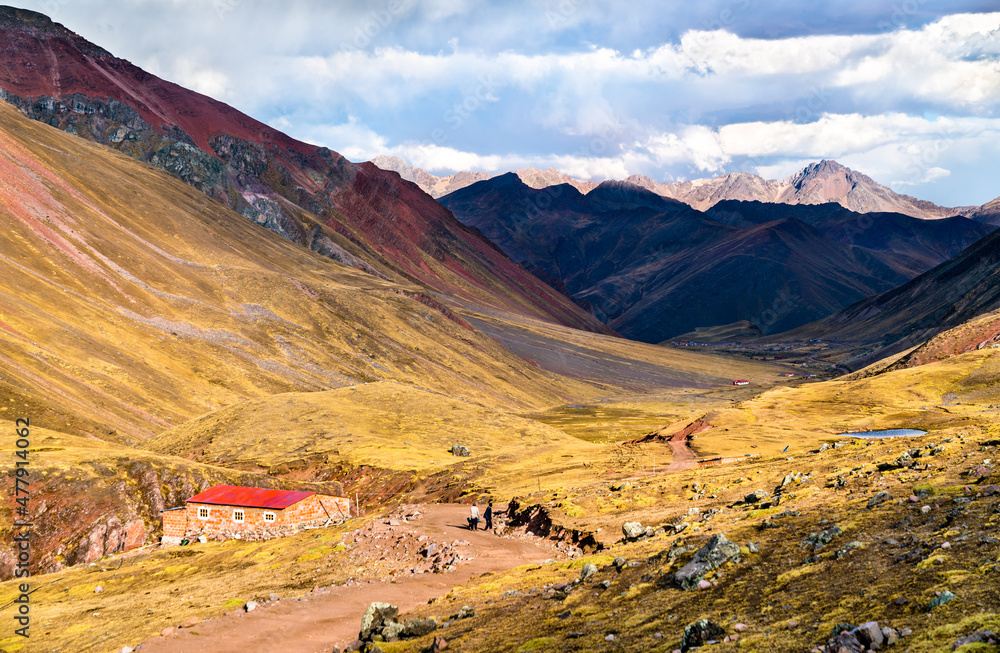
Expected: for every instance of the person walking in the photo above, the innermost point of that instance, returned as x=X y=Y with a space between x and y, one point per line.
x=474 y=517
x=489 y=517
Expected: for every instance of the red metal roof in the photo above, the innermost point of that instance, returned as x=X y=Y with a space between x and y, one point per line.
x=249 y=497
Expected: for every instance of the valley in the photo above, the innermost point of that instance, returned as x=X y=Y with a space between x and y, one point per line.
x=656 y=386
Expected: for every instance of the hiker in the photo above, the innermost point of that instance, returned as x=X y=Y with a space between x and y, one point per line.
x=474 y=517
x=489 y=517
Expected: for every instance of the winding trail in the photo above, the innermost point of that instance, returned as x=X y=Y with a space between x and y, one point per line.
x=333 y=617
x=684 y=458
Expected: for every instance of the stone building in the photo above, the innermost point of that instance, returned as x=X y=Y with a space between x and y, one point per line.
x=227 y=511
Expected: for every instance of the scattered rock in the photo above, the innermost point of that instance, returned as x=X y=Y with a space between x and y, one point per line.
x=250 y=606
x=752 y=547
x=98 y=589
x=870 y=634
x=168 y=631
x=700 y=633
x=619 y=562
x=460 y=450
x=510 y=594
x=418 y=627
x=880 y=497
x=376 y=618
x=740 y=627
x=466 y=612
x=847 y=548
x=716 y=552
x=190 y=621
x=824 y=537
x=704 y=584
x=439 y=644
x=392 y=631
x=633 y=530
x=588 y=571
x=755 y=496
x=605 y=584
x=790 y=478
x=980 y=636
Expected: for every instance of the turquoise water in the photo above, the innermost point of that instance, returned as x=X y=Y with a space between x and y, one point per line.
x=888 y=433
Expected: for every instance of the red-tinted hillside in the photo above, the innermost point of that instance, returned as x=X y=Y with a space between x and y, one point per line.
x=358 y=214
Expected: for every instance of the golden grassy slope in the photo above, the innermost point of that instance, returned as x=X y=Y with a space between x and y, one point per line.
x=388 y=425
x=130 y=302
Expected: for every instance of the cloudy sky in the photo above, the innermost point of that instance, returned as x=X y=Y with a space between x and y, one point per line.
x=906 y=91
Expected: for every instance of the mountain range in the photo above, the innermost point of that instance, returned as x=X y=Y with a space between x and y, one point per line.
x=653 y=268
x=818 y=183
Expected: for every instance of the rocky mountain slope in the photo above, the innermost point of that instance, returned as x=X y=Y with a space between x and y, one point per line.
x=654 y=268
x=359 y=215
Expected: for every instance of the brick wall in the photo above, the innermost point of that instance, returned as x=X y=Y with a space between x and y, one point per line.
x=174 y=523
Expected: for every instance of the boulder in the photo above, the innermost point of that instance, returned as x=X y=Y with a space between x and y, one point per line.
x=789 y=479
x=439 y=645
x=392 y=631
x=460 y=450
x=980 y=636
x=418 y=627
x=755 y=496
x=870 y=634
x=376 y=618
x=250 y=606
x=716 y=552
x=880 y=497
x=588 y=571
x=633 y=530
x=700 y=633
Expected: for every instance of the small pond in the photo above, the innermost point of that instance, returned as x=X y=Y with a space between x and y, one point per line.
x=887 y=433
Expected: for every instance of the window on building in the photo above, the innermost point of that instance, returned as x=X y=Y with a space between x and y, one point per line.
x=238 y=515
x=269 y=517
x=203 y=513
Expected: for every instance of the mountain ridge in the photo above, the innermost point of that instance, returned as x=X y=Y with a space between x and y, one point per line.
x=645 y=264
x=817 y=183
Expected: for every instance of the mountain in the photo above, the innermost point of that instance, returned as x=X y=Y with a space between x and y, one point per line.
x=359 y=215
x=988 y=213
x=947 y=296
x=818 y=183
x=653 y=267
x=440 y=186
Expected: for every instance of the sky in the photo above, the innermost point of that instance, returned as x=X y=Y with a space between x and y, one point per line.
x=906 y=91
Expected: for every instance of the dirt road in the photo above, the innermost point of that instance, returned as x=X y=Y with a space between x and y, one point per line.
x=332 y=617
